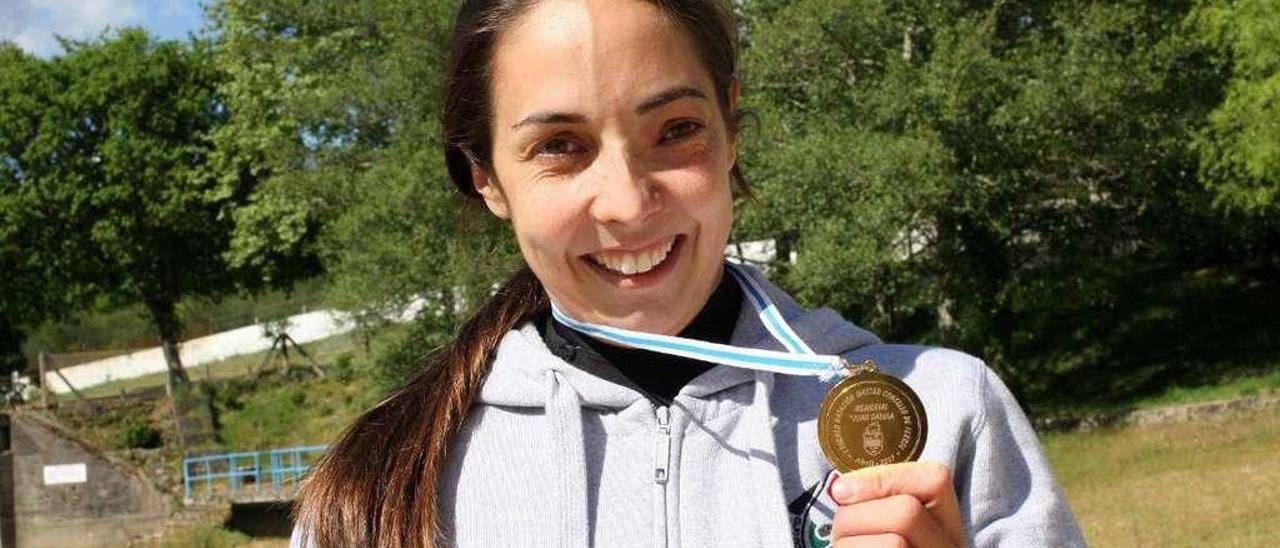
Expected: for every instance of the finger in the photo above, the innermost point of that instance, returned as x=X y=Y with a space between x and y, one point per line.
x=926 y=480
x=901 y=515
x=887 y=540
x=929 y=482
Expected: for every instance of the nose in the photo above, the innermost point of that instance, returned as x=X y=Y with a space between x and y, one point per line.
x=625 y=193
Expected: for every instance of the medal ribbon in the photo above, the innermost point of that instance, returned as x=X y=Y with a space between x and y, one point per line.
x=799 y=360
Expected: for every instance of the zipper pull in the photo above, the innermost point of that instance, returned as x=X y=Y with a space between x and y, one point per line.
x=662 y=446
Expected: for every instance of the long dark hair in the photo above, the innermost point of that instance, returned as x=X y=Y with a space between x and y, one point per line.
x=377 y=486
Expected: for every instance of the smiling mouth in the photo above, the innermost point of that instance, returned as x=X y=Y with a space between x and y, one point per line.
x=631 y=263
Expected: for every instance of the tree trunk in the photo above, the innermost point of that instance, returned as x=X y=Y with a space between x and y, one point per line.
x=908 y=49
x=947 y=322
x=164 y=316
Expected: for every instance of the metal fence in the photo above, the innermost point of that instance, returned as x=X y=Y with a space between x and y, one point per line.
x=247 y=475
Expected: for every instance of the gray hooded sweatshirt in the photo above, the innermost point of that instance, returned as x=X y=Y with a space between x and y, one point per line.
x=554 y=456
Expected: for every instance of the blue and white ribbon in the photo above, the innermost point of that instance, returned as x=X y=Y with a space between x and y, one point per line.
x=799 y=360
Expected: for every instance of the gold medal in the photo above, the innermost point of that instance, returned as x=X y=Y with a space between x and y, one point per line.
x=870 y=419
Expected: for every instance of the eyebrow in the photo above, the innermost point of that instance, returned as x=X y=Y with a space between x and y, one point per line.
x=669 y=96
x=644 y=107
x=550 y=118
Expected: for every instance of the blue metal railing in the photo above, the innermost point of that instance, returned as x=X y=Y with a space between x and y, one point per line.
x=243 y=472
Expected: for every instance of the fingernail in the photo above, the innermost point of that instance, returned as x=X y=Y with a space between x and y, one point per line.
x=845 y=488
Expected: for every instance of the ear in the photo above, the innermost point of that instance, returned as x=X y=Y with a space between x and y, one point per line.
x=735 y=89
x=488 y=188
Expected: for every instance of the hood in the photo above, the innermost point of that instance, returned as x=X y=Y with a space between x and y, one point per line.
x=522 y=363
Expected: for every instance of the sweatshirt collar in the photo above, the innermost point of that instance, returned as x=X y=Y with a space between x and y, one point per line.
x=522 y=359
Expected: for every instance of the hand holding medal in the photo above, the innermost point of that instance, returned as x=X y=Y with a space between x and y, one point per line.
x=872 y=429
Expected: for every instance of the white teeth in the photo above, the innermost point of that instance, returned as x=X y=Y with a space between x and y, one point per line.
x=647 y=261
x=642 y=262
x=634 y=263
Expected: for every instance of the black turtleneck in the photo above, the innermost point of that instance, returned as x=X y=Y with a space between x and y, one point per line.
x=658 y=376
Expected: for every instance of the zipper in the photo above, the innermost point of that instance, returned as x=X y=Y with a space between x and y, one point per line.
x=661 y=474
x=662 y=447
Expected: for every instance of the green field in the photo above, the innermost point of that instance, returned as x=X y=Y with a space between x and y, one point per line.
x=1204 y=483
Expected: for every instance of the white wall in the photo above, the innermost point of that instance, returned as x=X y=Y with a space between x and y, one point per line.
x=304 y=328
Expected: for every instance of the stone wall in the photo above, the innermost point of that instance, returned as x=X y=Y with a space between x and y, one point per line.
x=114 y=504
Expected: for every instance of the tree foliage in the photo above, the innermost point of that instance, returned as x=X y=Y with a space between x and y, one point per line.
x=107 y=191
x=969 y=172
x=21 y=300
x=335 y=104
x=1240 y=148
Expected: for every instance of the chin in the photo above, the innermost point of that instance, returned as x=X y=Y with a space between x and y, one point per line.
x=663 y=300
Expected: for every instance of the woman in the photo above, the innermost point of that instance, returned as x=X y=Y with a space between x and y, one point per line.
x=604 y=132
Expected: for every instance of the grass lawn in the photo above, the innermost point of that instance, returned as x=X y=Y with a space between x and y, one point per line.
x=287 y=414
x=273 y=412
x=1202 y=483
x=214 y=536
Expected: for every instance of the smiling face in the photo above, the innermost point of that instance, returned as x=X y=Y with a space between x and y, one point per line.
x=611 y=158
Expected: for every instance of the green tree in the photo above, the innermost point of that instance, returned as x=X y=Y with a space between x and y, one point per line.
x=335 y=105
x=1240 y=149
x=105 y=180
x=971 y=172
x=22 y=303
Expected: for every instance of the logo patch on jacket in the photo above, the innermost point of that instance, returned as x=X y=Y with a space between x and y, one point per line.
x=812 y=514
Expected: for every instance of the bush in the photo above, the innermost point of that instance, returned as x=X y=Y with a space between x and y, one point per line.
x=403 y=359
x=343 y=367
x=206 y=536
x=139 y=434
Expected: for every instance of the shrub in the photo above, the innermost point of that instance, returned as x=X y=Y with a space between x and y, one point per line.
x=140 y=434
x=403 y=358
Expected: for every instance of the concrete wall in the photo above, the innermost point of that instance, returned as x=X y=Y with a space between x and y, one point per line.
x=114 y=504
x=304 y=328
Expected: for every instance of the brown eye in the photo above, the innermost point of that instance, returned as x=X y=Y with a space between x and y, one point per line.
x=680 y=130
x=558 y=146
